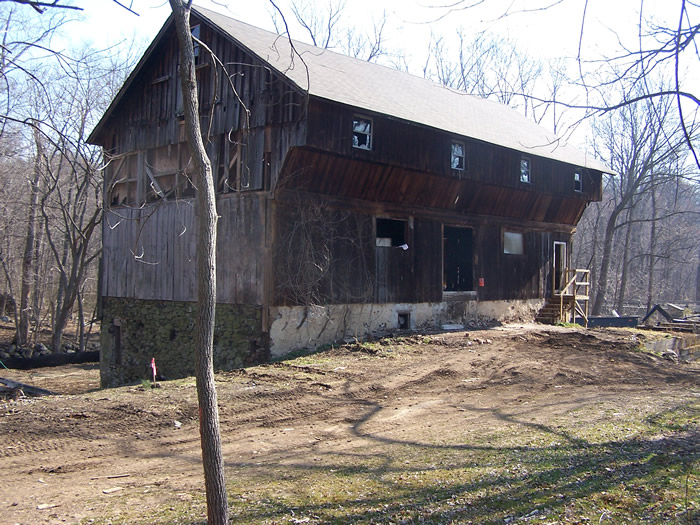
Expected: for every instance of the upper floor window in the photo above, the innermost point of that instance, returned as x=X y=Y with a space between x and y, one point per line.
x=578 y=181
x=457 y=158
x=362 y=133
x=196 y=31
x=525 y=170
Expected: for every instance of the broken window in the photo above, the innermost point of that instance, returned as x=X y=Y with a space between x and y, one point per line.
x=457 y=259
x=238 y=169
x=123 y=180
x=145 y=177
x=196 y=31
x=457 y=160
x=578 y=181
x=391 y=232
x=161 y=174
x=362 y=133
x=513 y=243
x=525 y=170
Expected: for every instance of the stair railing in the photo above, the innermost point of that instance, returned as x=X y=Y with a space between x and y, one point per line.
x=575 y=294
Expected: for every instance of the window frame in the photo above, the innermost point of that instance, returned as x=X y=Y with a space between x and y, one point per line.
x=578 y=182
x=453 y=156
x=522 y=242
x=196 y=31
x=369 y=134
x=398 y=230
x=525 y=176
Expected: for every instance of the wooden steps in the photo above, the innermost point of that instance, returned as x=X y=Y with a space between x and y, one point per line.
x=570 y=303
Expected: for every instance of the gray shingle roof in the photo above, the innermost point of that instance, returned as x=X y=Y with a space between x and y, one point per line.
x=383 y=90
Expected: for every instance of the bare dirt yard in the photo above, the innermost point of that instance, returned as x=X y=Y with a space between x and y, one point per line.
x=516 y=424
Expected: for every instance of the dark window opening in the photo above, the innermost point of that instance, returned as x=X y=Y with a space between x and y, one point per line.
x=525 y=170
x=404 y=321
x=457 y=160
x=391 y=232
x=196 y=31
x=457 y=260
x=578 y=182
x=362 y=133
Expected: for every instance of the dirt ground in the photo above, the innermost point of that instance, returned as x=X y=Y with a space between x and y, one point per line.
x=94 y=454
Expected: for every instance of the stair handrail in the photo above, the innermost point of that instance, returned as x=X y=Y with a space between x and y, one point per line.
x=573 y=284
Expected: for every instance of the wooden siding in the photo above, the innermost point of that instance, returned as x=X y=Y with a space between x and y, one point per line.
x=150 y=115
x=150 y=253
x=319 y=172
x=390 y=274
x=419 y=148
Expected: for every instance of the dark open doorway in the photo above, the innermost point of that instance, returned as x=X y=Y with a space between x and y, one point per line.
x=457 y=260
x=559 y=266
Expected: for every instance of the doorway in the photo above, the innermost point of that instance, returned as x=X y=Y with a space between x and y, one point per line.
x=559 y=266
x=457 y=274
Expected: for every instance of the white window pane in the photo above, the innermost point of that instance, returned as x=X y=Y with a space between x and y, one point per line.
x=513 y=243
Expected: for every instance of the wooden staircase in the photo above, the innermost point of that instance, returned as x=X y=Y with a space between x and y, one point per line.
x=570 y=302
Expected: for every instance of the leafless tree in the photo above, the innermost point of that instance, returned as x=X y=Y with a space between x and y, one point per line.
x=644 y=145
x=326 y=28
x=212 y=457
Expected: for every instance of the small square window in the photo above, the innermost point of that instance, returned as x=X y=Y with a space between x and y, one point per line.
x=578 y=182
x=525 y=170
x=513 y=243
x=457 y=159
x=362 y=133
x=391 y=232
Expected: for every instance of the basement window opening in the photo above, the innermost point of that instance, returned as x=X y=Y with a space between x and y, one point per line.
x=457 y=159
x=525 y=170
x=391 y=232
x=404 y=321
x=362 y=133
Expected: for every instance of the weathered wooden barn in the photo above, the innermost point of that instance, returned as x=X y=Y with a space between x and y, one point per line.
x=352 y=198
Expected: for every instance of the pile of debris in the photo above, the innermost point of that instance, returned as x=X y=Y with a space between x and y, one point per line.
x=13 y=390
x=671 y=317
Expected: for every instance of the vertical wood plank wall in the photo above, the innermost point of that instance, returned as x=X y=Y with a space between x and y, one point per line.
x=150 y=253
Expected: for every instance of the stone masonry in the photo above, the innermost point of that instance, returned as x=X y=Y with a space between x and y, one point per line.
x=134 y=331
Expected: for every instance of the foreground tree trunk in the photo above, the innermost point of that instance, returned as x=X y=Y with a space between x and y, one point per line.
x=27 y=260
x=212 y=458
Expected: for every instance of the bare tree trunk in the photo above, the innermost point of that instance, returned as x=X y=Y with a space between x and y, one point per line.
x=6 y=271
x=38 y=297
x=81 y=323
x=27 y=260
x=602 y=286
x=697 y=283
x=652 y=249
x=625 y=264
x=60 y=316
x=212 y=457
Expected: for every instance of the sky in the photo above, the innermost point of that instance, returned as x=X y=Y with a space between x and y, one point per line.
x=547 y=34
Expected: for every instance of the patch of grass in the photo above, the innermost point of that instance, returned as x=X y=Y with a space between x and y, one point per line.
x=568 y=325
x=603 y=466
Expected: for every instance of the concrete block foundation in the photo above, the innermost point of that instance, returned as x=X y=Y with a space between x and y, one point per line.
x=295 y=327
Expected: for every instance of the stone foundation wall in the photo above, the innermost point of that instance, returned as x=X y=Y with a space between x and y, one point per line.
x=134 y=331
